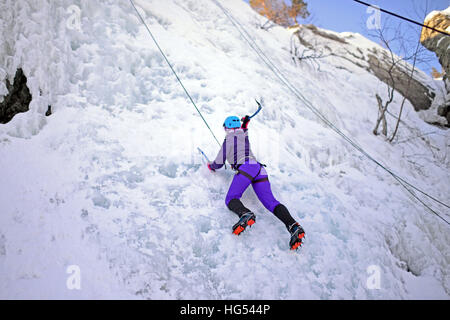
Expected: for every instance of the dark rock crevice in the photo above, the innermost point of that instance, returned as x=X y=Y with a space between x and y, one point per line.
x=18 y=98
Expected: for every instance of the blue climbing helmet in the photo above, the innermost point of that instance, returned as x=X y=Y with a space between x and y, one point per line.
x=232 y=122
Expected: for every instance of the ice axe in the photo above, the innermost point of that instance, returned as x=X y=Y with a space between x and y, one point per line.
x=204 y=155
x=259 y=109
x=246 y=119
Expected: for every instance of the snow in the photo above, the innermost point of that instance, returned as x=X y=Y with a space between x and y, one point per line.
x=113 y=183
x=433 y=13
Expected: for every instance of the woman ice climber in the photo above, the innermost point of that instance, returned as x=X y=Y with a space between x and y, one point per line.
x=236 y=150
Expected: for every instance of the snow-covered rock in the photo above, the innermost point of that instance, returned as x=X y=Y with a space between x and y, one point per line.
x=436 y=41
x=353 y=48
x=439 y=44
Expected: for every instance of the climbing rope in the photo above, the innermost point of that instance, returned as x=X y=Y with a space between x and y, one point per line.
x=308 y=104
x=173 y=70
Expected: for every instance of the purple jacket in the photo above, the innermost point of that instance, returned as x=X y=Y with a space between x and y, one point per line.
x=235 y=149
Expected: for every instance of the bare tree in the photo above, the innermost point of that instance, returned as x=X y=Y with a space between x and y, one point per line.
x=404 y=97
x=397 y=70
x=418 y=55
x=382 y=113
x=388 y=67
x=302 y=50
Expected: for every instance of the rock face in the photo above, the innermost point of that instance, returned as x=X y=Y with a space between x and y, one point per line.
x=18 y=98
x=420 y=96
x=363 y=53
x=440 y=44
x=437 y=42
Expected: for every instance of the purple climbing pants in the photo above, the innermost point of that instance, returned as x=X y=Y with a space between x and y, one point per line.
x=262 y=189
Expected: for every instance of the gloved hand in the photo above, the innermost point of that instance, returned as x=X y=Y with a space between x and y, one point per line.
x=245 y=120
x=209 y=167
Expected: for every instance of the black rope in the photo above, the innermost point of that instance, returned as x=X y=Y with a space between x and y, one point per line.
x=401 y=17
x=283 y=79
x=176 y=75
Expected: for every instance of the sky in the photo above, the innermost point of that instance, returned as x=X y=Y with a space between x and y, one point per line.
x=348 y=15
